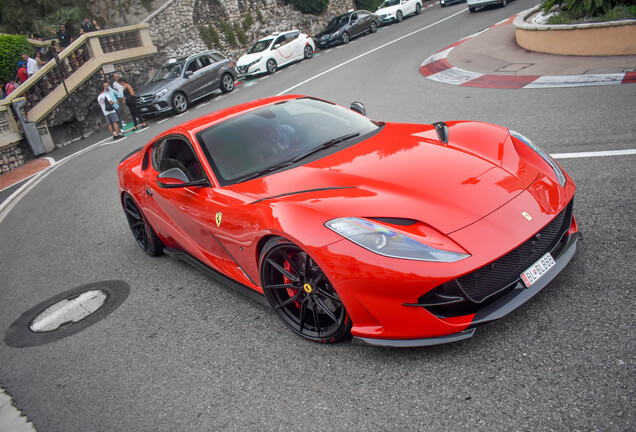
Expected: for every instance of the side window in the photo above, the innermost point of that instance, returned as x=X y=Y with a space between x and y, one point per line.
x=289 y=37
x=354 y=17
x=279 y=40
x=205 y=60
x=156 y=154
x=192 y=66
x=216 y=57
x=177 y=153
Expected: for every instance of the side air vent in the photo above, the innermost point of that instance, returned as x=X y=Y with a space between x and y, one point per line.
x=442 y=131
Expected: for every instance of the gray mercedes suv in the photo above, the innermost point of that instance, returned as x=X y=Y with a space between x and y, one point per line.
x=181 y=81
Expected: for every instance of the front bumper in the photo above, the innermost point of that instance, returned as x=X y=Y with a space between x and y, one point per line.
x=323 y=43
x=251 y=70
x=154 y=106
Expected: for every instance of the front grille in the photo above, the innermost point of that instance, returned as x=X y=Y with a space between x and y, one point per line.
x=242 y=69
x=145 y=99
x=470 y=292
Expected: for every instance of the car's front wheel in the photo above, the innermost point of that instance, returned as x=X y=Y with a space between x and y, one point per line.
x=308 y=51
x=179 y=102
x=418 y=9
x=300 y=293
x=345 y=38
x=142 y=231
x=227 y=83
x=398 y=16
x=271 y=66
x=472 y=9
x=374 y=27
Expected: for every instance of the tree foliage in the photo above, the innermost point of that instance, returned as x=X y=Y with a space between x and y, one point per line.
x=370 y=5
x=11 y=48
x=309 y=6
x=585 y=8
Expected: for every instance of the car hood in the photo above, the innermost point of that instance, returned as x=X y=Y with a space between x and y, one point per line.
x=330 y=30
x=246 y=59
x=387 y=10
x=405 y=171
x=154 y=88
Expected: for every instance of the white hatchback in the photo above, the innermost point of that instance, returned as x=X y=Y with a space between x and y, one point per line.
x=396 y=10
x=276 y=50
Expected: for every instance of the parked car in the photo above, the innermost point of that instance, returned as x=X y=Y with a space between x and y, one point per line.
x=181 y=81
x=444 y=3
x=279 y=49
x=474 y=4
x=395 y=10
x=343 y=28
x=400 y=234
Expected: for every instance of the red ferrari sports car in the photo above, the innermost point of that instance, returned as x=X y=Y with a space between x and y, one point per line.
x=397 y=234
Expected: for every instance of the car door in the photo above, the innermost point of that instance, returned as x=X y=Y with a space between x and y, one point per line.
x=356 y=24
x=210 y=69
x=409 y=6
x=182 y=211
x=283 y=51
x=193 y=80
x=295 y=43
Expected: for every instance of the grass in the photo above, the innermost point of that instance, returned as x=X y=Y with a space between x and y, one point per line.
x=616 y=14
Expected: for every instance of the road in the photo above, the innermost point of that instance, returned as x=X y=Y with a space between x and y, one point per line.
x=185 y=353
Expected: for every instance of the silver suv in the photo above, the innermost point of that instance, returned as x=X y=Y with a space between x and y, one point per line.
x=182 y=81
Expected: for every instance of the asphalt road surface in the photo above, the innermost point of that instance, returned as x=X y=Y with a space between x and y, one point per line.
x=184 y=353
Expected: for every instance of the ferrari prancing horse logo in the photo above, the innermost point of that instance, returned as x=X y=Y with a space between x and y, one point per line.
x=219 y=216
x=524 y=213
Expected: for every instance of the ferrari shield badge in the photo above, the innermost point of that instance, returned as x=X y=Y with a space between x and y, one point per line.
x=524 y=213
x=219 y=216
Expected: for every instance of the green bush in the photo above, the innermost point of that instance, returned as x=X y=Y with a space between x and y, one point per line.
x=210 y=36
x=259 y=16
x=370 y=5
x=228 y=32
x=309 y=6
x=240 y=34
x=11 y=49
x=582 y=9
x=248 y=21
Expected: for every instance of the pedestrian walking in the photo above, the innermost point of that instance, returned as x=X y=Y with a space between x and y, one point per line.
x=114 y=96
x=9 y=87
x=131 y=103
x=107 y=104
x=87 y=26
x=22 y=75
x=63 y=35
x=32 y=66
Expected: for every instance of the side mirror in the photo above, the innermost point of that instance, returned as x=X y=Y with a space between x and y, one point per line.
x=175 y=178
x=276 y=46
x=358 y=107
x=188 y=73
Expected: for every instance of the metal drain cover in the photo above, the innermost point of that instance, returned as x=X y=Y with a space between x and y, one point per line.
x=66 y=313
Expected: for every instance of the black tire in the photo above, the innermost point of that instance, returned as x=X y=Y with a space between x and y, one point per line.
x=271 y=66
x=300 y=293
x=345 y=38
x=373 y=27
x=418 y=9
x=504 y=3
x=227 y=83
x=308 y=51
x=399 y=16
x=142 y=231
x=179 y=102
x=471 y=9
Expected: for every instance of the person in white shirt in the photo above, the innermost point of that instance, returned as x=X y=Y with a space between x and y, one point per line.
x=109 y=112
x=32 y=66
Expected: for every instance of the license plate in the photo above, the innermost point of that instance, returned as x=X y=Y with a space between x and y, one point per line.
x=537 y=269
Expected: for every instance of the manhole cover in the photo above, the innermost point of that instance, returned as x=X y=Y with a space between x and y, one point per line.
x=66 y=313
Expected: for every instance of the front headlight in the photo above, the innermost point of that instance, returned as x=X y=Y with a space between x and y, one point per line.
x=162 y=92
x=384 y=241
x=544 y=155
x=255 y=61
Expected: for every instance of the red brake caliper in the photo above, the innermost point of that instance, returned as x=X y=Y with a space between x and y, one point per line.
x=286 y=280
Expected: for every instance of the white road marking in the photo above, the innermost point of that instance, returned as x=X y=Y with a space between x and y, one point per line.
x=594 y=154
x=182 y=114
x=370 y=52
x=161 y=121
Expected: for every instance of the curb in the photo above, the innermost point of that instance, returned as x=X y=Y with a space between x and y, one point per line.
x=437 y=68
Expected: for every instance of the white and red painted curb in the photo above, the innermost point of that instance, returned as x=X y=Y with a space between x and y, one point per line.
x=437 y=68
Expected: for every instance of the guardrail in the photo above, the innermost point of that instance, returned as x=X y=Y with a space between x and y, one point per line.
x=47 y=88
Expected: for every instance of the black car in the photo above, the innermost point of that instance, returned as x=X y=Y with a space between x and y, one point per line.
x=345 y=27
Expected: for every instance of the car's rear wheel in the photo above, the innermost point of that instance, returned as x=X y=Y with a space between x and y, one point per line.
x=227 y=83
x=398 y=16
x=142 y=231
x=471 y=8
x=300 y=293
x=308 y=51
x=179 y=102
x=345 y=38
x=418 y=9
x=271 y=66
x=374 y=27
x=504 y=3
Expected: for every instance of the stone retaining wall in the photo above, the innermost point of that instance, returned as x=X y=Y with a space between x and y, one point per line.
x=11 y=157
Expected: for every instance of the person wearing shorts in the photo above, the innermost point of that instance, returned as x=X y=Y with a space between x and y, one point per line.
x=112 y=119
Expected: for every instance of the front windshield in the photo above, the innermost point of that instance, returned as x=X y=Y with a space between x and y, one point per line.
x=169 y=71
x=388 y=3
x=277 y=134
x=260 y=46
x=342 y=19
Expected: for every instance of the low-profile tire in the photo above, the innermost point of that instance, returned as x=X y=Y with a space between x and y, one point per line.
x=345 y=38
x=271 y=66
x=142 y=231
x=227 y=83
x=300 y=293
x=503 y=3
x=308 y=52
x=399 y=16
x=373 y=27
x=471 y=9
x=179 y=102
x=418 y=9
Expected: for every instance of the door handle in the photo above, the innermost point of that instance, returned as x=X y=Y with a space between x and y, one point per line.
x=148 y=192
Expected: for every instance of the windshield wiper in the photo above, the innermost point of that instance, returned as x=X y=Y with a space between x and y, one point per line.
x=325 y=145
x=266 y=170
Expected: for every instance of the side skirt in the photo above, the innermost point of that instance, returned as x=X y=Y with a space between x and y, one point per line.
x=246 y=291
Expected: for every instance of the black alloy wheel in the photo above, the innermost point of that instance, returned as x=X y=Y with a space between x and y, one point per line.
x=308 y=51
x=300 y=293
x=227 y=83
x=374 y=27
x=418 y=9
x=179 y=102
x=142 y=231
x=345 y=38
x=398 y=16
x=271 y=66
